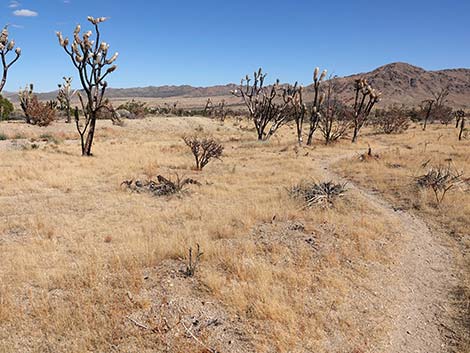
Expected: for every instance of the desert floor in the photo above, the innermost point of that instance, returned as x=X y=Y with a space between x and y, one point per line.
x=90 y=266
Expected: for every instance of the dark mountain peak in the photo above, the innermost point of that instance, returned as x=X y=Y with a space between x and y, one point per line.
x=399 y=68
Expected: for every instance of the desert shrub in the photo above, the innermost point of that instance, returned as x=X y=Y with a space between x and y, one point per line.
x=436 y=108
x=204 y=149
x=138 y=109
x=6 y=108
x=415 y=114
x=3 y=137
x=41 y=114
x=161 y=187
x=392 y=120
x=49 y=138
x=318 y=194
x=443 y=113
x=440 y=180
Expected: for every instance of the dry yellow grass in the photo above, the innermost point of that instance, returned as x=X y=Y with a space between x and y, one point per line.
x=80 y=254
x=409 y=156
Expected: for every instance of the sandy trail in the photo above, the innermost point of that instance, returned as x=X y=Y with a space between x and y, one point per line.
x=423 y=274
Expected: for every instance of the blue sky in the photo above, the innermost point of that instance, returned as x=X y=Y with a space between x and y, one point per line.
x=215 y=42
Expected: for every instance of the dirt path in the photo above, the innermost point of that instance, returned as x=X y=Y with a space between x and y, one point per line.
x=423 y=274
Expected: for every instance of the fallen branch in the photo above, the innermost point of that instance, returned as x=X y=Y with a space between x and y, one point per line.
x=198 y=340
x=138 y=324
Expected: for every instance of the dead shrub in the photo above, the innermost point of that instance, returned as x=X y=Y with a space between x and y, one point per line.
x=318 y=194
x=193 y=261
x=39 y=113
x=440 y=179
x=204 y=149
x=369 y=156
x=161 y=187
x=393 y=120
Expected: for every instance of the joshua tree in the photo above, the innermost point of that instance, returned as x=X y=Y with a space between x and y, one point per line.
x=90 y=58
x=265 y=106
x=333 y=118
x=298 y=110
x=365 y=99
x=317 y=102
x=6 y=46
x=65 y=96
x=208 y=108
x=220 y=111
x=26 y=95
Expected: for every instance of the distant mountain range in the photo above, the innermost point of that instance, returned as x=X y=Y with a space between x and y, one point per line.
x=398 y=82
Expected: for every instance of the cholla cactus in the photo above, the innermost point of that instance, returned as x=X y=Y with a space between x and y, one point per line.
x=65 y=95
x=91 y=59
x=7 y=46
x=26 y=95
x=365 y=99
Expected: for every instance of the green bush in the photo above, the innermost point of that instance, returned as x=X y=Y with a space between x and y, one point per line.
x=6 y=108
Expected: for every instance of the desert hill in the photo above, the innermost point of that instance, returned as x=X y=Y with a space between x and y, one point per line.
x=398 y=82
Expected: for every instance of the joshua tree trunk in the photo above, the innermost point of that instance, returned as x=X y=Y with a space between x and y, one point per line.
x=428 y=114
x=89 y=139
x=299 y=134
x=68 y=120
x=260 y=132
x=355 y=134
x=462 y=127
x=310 y=137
